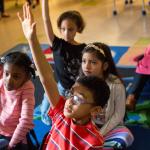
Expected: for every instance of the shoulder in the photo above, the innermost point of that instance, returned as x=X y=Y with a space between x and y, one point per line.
x=28 y=84
x=113 y=79
x=27 y=89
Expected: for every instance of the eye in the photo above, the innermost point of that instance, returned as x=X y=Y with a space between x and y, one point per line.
x=83 y=61
x=16 y=77
x=62 y=29
x=76 y=99
x=6 y=73
x=93 y=62
x=71 y=29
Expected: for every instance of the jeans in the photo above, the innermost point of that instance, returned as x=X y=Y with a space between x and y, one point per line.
x=4 y=141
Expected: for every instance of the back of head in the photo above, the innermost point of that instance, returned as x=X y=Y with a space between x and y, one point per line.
x=99 y=88
x=74 y=16
x=21 y=60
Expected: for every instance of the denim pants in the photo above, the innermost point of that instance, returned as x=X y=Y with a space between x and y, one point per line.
x=4 y=141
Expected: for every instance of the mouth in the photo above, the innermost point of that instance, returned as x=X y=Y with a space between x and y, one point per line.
x=87 y=72
x=68 y=110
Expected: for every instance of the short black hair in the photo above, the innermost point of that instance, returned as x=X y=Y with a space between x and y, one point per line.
x=98 y=87
x=74 y=16
x=21 y=60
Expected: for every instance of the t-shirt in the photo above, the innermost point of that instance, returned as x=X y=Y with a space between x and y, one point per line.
x=67 y=58
x=66 y=135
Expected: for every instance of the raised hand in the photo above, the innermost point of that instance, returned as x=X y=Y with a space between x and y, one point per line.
x=27 y=21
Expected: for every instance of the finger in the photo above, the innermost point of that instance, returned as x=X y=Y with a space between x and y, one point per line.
x=29 y=13
x=24 y=11
x=20 y=18
x=34 y=25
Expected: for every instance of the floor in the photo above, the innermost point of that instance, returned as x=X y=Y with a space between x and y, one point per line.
x=124 y=29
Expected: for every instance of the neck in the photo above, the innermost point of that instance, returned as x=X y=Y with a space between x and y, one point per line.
x=74 y=42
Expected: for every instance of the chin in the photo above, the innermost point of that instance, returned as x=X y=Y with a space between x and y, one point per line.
x=67 y=115
x=87 y=74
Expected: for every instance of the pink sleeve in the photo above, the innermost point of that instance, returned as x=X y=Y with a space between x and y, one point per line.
x=26 y=119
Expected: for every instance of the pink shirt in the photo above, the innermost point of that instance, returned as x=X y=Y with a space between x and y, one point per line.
x=143 y=66
x=16 y=112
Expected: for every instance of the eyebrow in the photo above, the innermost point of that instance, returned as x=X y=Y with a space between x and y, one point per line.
x=82 y=94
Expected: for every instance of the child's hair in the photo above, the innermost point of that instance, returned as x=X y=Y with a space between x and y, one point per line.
x=98 y=87
x=103 y=53
x=21 y=60
x=74 y=16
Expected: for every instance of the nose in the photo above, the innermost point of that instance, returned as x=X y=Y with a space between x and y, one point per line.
x=66 y=33
x=9 y=80
x=71 y=100
x=87 y=65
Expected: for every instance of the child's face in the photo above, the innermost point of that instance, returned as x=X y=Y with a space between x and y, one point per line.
x=68 y=30
x=92 y=65
x=79 y=105
x=14 y=77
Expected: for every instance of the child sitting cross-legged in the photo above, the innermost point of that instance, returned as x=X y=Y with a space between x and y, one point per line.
x=72 y=127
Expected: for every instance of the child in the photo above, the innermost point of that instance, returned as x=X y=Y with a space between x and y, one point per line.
x=16 y=100
x=97 y=60
x=142 y=75
x=66 y=51
x=72 y=126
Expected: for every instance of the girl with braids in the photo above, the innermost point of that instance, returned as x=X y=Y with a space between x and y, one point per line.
x=16 y=100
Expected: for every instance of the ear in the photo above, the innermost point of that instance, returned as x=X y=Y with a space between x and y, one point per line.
x=105 y=66
x=96 y=110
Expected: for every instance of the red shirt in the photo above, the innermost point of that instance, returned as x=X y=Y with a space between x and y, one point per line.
x=66 y=135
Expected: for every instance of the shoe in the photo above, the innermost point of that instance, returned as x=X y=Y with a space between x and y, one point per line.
x=4 y=15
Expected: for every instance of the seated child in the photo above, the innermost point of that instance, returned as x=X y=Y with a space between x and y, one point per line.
x=97 y=60
x=72 y=127
x=16 y=100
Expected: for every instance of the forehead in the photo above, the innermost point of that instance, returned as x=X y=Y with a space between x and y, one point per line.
x=90 y=55
x=68 y=23
x=13 y=68
x=78 y=88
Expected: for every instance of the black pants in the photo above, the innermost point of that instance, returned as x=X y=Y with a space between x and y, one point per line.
x=19 y=146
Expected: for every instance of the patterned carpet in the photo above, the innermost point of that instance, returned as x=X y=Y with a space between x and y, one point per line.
x=126 y=68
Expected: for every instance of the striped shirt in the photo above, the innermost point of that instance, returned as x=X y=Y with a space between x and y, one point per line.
x=65 y=135
x=16 y=112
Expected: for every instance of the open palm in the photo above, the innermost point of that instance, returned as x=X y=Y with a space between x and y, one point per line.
x=27 y=21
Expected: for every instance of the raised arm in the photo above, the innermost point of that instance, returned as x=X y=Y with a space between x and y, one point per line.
x=43 y=68
x=47 y=22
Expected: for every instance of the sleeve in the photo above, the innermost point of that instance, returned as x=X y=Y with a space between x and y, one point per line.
x=54 y=113
x=26 y=119
x=56 y=43
x=119 y=96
